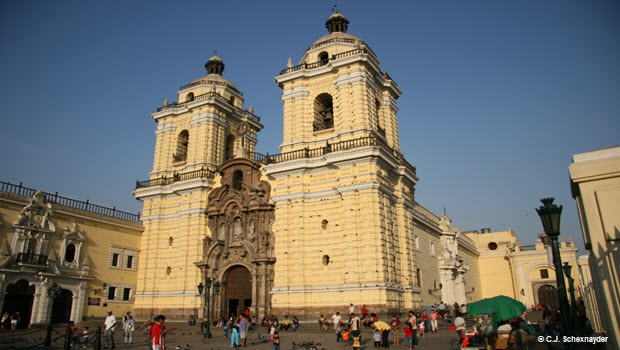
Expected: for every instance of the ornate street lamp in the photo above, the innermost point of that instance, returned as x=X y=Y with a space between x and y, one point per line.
x=550 y=216
x=209 y=294
x=571 y=290
x=52 y=293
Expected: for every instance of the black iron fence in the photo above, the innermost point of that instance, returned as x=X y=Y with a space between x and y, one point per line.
x=167 y=180
x=70 y=202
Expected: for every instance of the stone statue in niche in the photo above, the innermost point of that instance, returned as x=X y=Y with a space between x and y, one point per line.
x=222 y=233
x=238 y=231
x=251 y=231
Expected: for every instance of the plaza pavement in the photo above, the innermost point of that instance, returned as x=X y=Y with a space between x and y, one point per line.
x=190 y=338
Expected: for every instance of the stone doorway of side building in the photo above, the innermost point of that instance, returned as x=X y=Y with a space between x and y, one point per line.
x=61 y=312
x=18 y=299
x=238 y=294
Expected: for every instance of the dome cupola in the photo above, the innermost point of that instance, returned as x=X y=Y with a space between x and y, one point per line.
x=215 y=65
x=337 y=23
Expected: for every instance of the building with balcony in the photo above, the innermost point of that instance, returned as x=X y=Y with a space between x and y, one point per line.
x=47 y=240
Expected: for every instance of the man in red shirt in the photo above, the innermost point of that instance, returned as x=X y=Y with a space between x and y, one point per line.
x=157 y=333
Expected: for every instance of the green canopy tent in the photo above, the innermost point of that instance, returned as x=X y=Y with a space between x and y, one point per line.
x=506 y=308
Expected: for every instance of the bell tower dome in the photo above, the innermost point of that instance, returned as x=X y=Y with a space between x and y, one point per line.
x=337 y=92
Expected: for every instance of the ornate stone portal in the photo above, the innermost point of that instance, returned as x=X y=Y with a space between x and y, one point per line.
x=241 y=242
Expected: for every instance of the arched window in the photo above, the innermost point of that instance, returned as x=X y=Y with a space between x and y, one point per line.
x=182 y=142
x=229 y=150
x=232 y=100
x=237 y=178
x=70 y=253
x=189 y=97
x=378 y=117
x=323 y=58
x=323 y=112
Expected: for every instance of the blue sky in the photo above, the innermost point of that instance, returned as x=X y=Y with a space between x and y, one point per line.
x=497 y=95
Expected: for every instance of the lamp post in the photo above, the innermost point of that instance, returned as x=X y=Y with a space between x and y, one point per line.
x=209 y=293
x=550 y=216
x=52 y=292
x=571 y=291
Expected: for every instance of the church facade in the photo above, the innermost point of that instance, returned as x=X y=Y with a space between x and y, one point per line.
x=331 y=220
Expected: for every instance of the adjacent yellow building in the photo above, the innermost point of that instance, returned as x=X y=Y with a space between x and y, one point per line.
x=90 y=252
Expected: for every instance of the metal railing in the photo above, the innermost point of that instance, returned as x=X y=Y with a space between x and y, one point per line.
x=210 y=94
x=70 y=202
x=329 y=148
x=162 y=181
x=209 y=82
x=33 y=259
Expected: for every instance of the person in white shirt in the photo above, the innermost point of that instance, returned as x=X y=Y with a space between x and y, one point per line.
x=336 y=320
x=459 y=322
x=351 y=309
x=110 y=328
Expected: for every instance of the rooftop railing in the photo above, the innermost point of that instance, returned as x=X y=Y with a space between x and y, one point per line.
x=70 y=202
x=164 y=180
x=330 y=148
x=210 y=94
x=209 y=82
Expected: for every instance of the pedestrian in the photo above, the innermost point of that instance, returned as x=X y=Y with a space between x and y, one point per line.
x=338 y=332
x=356 y=342
x=345 y=336
x=110 y=328
x=70 y=331
x=336 y=318
x=395 y=329
x=413 y=321
x=157 y=333
x=384 y=328
x=517 y=340
x=275 y=340
x=243 y=325
x=377 y=338
x=234 y=336
x=6 y=321
x=408 y=336
x=356 y=326
x=434 y=321
x=129 y=327
x=14 y=320
x=85 y=337
x=422 y=328
x=424 y=318
x=295 y=323
x=225 y=328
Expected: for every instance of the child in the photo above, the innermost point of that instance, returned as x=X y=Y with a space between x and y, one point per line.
x=225 y=328
x=234 y=336
x=338 y=332
x=275 y=340
x=422 y=327
x=272 y=332
x=408 y=336
x=356 y=343
x=377 y=338
x=85 y=337
x=345 y=336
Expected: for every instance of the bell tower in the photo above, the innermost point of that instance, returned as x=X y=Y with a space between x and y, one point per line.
x=337 y=92
x=344 y=193
x=206 y=126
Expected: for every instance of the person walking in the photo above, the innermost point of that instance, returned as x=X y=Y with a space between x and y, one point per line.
x=157 y=333
x=413 y=321
x=275 y=341
x=129 y=327
x=110 y=328
x=434 y=321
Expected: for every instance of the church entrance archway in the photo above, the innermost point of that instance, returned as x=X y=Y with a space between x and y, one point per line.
x=238 y=293
x=548 y=296
x=18 y=299
x=61 y=313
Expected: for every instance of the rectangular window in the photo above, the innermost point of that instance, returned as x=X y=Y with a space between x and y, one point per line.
x=111 y=293
x=432 y=248
x=418 y=276
x=544 y=273
x=115 y=259
x=126 y=293
x=417 y=242
x=129 y=262
x=123 y=258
